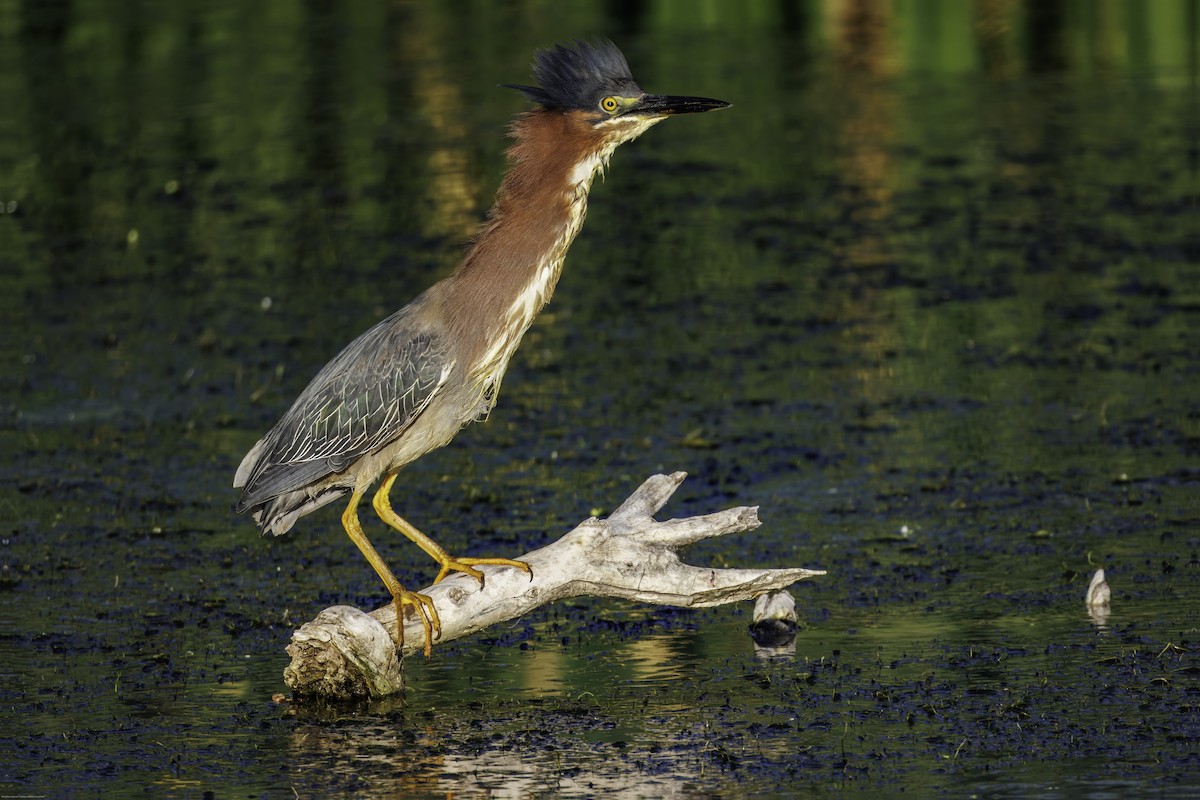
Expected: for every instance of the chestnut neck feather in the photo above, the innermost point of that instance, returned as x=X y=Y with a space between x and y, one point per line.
x=511 y=268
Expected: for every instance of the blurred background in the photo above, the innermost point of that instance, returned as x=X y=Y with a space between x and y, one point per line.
x=926 y=294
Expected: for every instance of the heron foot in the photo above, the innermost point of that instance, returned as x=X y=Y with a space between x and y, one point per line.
x=467 y=566
x=426 y=613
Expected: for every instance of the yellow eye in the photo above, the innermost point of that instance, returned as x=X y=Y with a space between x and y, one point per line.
x=610 y=104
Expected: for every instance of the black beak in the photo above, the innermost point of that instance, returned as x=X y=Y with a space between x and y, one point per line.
x=664 y=104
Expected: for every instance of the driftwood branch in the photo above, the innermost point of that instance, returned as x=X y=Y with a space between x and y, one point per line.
x=346 y=653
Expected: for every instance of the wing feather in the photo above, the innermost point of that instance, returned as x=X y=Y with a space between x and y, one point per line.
x=364 y=398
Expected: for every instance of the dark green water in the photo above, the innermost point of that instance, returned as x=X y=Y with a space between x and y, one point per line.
x=927 y=295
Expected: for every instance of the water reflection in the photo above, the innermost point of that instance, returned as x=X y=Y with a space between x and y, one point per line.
x=530 y=764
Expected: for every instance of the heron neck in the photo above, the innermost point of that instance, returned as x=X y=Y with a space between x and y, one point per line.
x=513 y=265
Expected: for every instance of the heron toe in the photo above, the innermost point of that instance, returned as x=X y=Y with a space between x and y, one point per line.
x=426 y=613
x=467 y=566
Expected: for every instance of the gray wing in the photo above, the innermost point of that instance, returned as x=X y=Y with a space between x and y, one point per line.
x=361 y=400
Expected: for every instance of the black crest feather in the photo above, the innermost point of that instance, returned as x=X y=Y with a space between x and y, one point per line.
x=578 y=77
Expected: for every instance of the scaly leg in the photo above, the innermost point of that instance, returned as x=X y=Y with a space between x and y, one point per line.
x=422 y=603
x=383 y=507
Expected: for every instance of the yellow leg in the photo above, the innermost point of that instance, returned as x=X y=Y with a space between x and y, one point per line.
x=383 y=507
x=422 y=603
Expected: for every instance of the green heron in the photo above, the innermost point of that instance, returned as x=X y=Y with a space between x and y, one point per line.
x=410 y=383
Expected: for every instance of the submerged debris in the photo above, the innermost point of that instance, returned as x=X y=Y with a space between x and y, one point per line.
x=774 y=623
x=1097 y=598
x=1098 y=593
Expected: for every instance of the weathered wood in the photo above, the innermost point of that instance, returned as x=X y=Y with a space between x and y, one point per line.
x=346 y=653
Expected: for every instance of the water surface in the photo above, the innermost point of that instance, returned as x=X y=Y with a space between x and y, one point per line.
x=926 y=295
